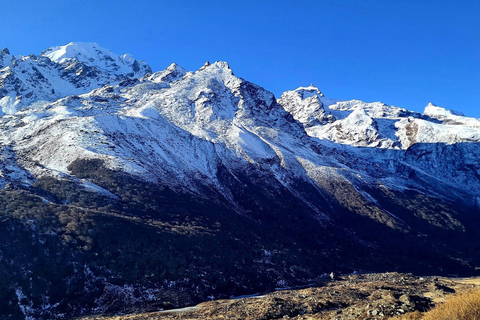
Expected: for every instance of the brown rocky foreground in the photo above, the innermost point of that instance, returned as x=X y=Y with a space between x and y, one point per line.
x=359 y=296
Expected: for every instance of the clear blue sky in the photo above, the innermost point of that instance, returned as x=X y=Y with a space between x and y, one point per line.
x=402 y=52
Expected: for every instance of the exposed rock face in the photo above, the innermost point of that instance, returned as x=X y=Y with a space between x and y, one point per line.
x=306 y=106
x=5 y=58
x=175 y=186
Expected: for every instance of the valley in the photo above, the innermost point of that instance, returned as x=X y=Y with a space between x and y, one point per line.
x=127 y=191
x=356 y=296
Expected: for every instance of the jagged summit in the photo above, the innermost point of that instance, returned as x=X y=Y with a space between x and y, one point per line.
x=5 y=58
x=436 y=111
x=308 y=91
x=61 y=71
x=172 y=73
x=91 y=54
x=174 y=66
x=220 y=65
x=83 y=51
x=450 y=117
x=306 y=105
x=220 y=68
x=216 y=65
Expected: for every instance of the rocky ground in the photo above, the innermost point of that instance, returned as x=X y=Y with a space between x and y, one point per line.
x=358 y=296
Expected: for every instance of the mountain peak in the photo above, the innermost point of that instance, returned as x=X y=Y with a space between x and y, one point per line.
x=74 y=50
x=434 y=111
x=172 y=73
x=223 y=65
x=305 y=105
x=92 y=54
x=173 y=67
x=60 y=71
x=5 y=58
x=309 y=91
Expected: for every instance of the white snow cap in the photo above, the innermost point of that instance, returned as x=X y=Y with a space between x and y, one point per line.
x=309 y=91
x=79 y=50
x=216 y=65
x=92 y=55
x=172 y=73
x=435 y=111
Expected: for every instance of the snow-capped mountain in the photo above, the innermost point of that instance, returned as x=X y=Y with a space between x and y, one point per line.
x=208 y=141
x=193 y=121
x=58 y=72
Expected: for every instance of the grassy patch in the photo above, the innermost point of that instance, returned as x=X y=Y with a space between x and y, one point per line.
x=462 y=306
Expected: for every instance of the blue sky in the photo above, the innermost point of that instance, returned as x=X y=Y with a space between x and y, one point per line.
x=406 y=53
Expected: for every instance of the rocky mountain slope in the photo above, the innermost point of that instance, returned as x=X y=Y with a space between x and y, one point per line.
x=125 y=190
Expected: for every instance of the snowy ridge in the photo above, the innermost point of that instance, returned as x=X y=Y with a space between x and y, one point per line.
x=173 y=73
x=62 y=71
x=450 y=117
x=91 y=54
x=376 y=124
